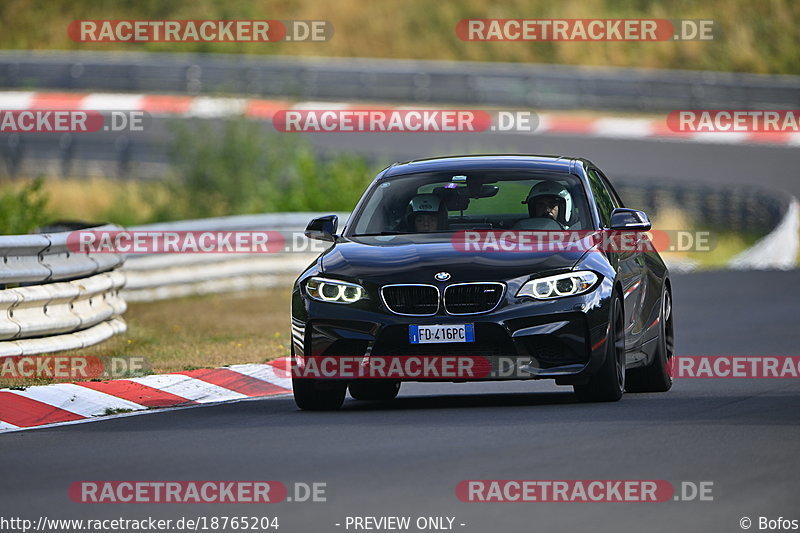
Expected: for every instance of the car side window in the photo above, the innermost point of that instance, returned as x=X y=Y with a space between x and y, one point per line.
x=611 y=190
x=605 y=202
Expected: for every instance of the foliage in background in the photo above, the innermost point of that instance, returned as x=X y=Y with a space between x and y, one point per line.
x=752 y=35
x=241 y=170
x=234 y=169
x=22 y=208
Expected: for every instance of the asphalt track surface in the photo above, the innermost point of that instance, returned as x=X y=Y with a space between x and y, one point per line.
x=406 y=459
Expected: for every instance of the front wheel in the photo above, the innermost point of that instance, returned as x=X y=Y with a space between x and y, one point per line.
x=318 y=395
x=608 y=383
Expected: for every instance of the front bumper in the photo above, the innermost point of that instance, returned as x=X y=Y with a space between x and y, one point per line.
x=522 y=339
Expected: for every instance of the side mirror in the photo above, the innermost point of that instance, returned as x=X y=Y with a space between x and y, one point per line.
x=629 y=219
x=322 y=228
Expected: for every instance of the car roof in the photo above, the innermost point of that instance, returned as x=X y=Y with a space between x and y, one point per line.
x=488 y=161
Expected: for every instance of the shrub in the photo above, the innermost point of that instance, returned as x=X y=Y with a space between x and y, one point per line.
x=241 y=169
x=22 y=209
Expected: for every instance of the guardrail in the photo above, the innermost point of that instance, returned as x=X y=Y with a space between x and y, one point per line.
x=736 y=208
x=156 y=277
x=391 y=80
x=52 y=299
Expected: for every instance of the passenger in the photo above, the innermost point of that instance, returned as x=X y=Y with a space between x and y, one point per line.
x=426 y=212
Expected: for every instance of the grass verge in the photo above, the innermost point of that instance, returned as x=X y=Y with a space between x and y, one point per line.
x=197 y=332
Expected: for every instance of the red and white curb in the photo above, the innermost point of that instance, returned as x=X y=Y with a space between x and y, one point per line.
x=212 y=107
x=87 y=400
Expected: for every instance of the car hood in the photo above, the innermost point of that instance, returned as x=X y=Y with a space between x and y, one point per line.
x=393 y=259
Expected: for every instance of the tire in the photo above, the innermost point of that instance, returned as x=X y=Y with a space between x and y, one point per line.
x=311 y=395
x=375 y=391
x=608 y=383
x=657 y=377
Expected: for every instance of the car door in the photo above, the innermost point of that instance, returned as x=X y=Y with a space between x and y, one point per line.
x=630 y=263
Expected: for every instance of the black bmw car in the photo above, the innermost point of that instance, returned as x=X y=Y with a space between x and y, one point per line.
x=430 y=265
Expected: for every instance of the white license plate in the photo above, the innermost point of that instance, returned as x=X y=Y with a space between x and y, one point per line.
x=440 y=333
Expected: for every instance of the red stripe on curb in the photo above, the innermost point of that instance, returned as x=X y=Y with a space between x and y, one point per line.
x=561 y=124
x=284 y=363
x=166 y=104
x=264 y=108
x=234 y=381
x=57 y=101
x=660 y=129
x=24 y=412
x=136 y=393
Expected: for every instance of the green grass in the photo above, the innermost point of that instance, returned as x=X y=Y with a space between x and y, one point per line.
x=22 y=206
x=196 y=332
x=753 y=36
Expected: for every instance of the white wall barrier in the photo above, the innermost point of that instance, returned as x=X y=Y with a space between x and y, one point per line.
x=53 y=299
x=156 y=277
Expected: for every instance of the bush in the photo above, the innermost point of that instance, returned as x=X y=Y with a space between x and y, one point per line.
x=22 y=209
x=240 y=169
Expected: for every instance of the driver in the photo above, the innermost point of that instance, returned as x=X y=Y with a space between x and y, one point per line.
x=425 y=211
x=549 y=199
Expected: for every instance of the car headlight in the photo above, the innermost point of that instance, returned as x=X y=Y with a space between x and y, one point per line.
x=559 y=286
x=335 y=291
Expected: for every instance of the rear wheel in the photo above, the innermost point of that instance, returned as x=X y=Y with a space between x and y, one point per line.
x=657 y=377
x=608 y=383
x=316 y=395
x=379 y=391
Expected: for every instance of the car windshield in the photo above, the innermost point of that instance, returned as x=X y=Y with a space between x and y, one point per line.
x=454 y=201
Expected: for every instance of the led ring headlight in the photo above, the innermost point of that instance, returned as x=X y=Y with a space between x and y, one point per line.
x=334 y=291
x=559 y=286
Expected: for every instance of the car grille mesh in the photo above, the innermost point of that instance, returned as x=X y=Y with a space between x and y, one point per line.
x=412 y=299
x=459 y=299
x=472 y=298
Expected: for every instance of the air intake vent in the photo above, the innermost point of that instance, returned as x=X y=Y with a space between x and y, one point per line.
x=418 y=300
x=472 y=298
